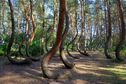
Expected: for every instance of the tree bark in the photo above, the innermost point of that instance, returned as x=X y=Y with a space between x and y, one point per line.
x=76 y=35
x=82 y=35
x=108 y=31
x=31 y=38
x=12 y=39
x=122 y=32
x=63 y=57
x=13 y=27
x=47 y=57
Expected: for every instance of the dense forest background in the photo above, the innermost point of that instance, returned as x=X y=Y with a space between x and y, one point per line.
x=31 y=30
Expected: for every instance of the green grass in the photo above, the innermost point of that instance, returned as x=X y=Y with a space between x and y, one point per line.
x=119 y=71
x=123 y=53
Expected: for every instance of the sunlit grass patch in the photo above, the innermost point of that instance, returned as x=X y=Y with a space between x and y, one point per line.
x=118 y=71
x=123 y=53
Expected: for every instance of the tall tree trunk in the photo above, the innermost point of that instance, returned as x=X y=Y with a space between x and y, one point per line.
x=33 y=23
x=2 y=17
x=63 y=57
x=43 y=26
x=47 y=38
x=51 y=28
x=108 y=31
x=75 y=36
x=82 y=35
x=12 y=39
x=47 y=57
x=13 y=28
x=122 y=32
x=31 y=38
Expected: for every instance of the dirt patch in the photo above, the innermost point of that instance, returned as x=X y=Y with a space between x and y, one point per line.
x=88 y=70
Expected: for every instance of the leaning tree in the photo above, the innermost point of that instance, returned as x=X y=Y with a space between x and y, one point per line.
x=122 y=31
x=11 y=41
x=108 y=29
x=59 y=37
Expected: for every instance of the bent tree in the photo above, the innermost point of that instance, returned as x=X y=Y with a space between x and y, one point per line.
x=122 y=31
x=108 y=29
x=11 y=41
x=47 y=57
x=76 y=35
x=82 y=35
x=13 y=28
x=51 y=28
x=63 y=57
x=32 y=36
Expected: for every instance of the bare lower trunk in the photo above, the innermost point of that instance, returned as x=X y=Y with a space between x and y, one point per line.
x=82 y=35
x=71 y=42
x=74 y=39
x=63 y=57
x=13 y=28
x=47 y=39
x=47 y=57
x=122 y=32
x=12 y=39
x=108 y=31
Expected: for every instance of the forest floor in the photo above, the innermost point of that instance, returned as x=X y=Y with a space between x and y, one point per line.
x=88 y=70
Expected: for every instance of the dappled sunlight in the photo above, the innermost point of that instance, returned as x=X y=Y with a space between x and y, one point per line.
x=85 y=69
x=14 y=79
x=118 y=71
x=122 y=66
x=78 y=81
x=62 y=42
x=75 y=53
x=91 y=67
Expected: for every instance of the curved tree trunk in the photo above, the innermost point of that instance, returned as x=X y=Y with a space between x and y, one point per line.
x=63 y=57
x=122 y=32
x=82 y=35
x=25 y=37
x=30 y=40
x=73 y=40
x=12 y=39
x=47 y=57
x=51 y=29
x=13 y=28
x=47 y=39
x=108 y=30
